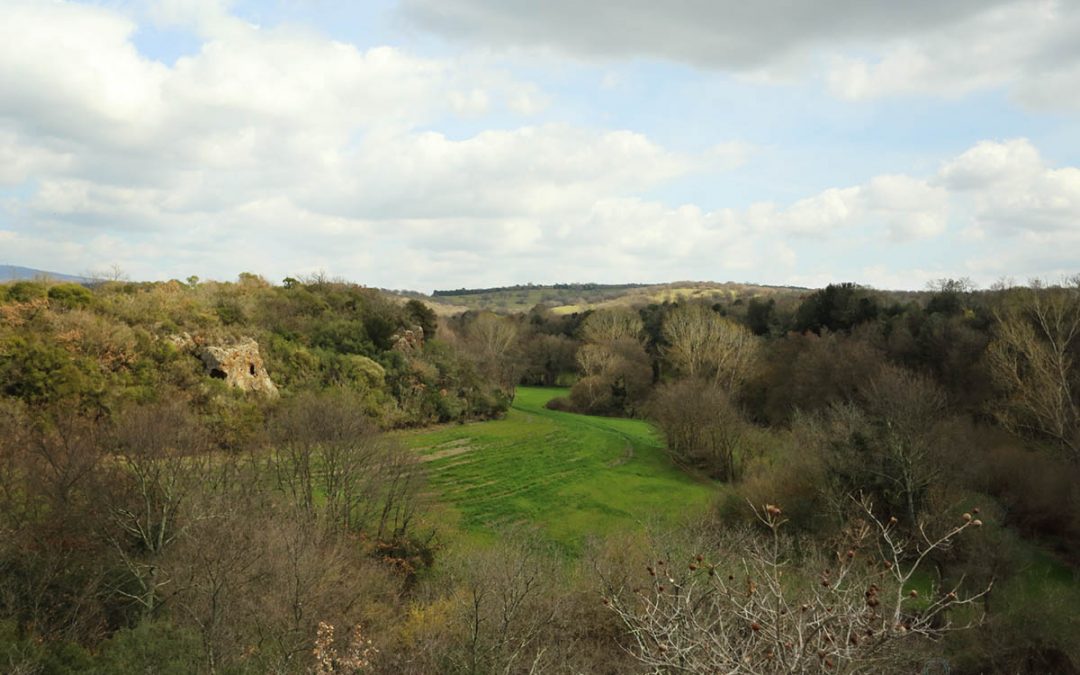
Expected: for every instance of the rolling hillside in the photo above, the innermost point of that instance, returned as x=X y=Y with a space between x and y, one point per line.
x=17 y=273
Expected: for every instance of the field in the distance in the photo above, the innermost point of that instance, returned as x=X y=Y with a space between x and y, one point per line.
x=577 y=298
x=570 y=475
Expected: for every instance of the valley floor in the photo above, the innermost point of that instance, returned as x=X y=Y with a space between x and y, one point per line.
x=570 y=475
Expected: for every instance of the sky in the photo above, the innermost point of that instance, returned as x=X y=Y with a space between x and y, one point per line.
x=435 y=144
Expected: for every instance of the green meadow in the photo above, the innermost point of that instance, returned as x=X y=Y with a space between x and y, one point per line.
x=569 y=475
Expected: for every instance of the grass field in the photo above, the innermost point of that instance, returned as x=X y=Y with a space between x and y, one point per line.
x=570 y=475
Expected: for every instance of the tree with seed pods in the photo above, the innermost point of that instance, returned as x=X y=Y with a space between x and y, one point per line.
x=761 y=606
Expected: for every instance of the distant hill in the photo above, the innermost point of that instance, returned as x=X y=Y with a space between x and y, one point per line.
x=568 y=298
x=16 y=273
x=533 y=287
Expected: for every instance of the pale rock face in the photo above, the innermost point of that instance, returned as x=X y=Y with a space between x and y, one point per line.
x=182 y=341
x=409 y=341
x=240 y=365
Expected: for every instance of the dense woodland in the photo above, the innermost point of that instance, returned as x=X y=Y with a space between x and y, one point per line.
x=895 y=483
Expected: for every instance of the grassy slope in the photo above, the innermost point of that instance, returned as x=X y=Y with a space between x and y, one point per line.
x=572 y=475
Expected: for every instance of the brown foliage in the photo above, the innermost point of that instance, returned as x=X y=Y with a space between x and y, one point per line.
x=324 y=449
x=703 y=428
x=809 y=373
x=704 y=344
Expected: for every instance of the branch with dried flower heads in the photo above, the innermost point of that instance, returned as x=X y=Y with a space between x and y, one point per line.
x=894 y=552
x=355 y=658
x=754 y=607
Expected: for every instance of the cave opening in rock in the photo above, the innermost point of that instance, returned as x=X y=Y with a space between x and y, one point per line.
x=218 y=373
x=251 y=369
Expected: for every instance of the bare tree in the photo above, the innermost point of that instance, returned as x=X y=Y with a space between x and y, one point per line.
x=68 y=446
x=608 y=325
x=162 y=457
x=751 y=608
x=704 y=344
x=52 y=558
x=1034 y=360
x=617 y=377
x=216 y=567
x=507 y=605
x=322 y=444
x=319 y=579
x=113 y=273
x=701 y=425
x=595 y=359
x=491 y=341
x=906 y=406
x=614 y=361
x=334 y=466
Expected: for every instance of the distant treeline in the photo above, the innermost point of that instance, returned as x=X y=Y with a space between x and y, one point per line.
x=526 y=287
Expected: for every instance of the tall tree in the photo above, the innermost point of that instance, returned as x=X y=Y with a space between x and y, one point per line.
x=492 y=339
x=704 y=344
x=702 y=427
x=602 y=331
x=1035 y=359
x=608 y=325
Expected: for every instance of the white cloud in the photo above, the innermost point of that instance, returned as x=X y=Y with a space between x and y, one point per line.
x=710 y=33
x=19 y=161
x=991 y=163
x=71 y=71
x=472 y=102
x=863 y=49
x=279 y=151
x=823 y=213
x=526 y=99
x=1012 y=190
x=285 y=146
x=1027 y=47
x=1003 y=186
x=911 y=208
x=908 y=208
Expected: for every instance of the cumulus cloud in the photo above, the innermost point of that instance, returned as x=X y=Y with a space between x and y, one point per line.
x=907 y=208
x=710 y=33
x=991 y=163
x=862 y=48
x=1029 y=48
x=525 y=171
x=1003 y=186
x=280 y=151
x=286 y=143
x=1013 y=190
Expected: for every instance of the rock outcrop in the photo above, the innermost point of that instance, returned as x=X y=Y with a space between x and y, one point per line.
x=409 y=341
x=182 y=341
x=239 y=363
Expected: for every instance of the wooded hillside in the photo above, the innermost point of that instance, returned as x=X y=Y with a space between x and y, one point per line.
x=248 y=477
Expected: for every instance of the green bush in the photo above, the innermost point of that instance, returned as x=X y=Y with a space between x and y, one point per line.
x=25 y=291
x=70 y=296
x=41 y=372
